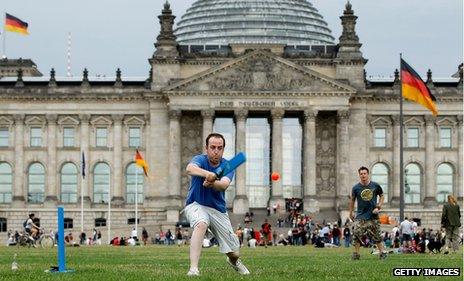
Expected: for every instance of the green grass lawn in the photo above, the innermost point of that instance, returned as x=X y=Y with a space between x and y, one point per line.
x=171 y=263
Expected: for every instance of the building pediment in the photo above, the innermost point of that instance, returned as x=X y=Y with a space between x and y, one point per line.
x=134 y=120
x=446 y=121
x=6 y=121
x=414 y=121
x=379 y=121
x=260 y=71
x=68 y=121
x=35 y=120
x=101 y=121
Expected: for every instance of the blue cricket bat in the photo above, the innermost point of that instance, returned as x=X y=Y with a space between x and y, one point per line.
x=229 y=166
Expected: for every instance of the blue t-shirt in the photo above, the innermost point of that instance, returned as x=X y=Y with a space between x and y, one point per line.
x=367 y=199
x=206 y=196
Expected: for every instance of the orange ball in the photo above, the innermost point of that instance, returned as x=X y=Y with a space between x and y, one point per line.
x=275 y=176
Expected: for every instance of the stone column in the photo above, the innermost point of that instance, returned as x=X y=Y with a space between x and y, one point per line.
x=310 y=203
x=117 y=185
x=241 y=204
x=84 y=138
x=343 y=163
x=157 y=156
x=460 y=155
x=19 y=190
x=208 y=115
x=51 y=189
x=430 y=187
x=174 y=165
x=396 y=169
x=277 y=157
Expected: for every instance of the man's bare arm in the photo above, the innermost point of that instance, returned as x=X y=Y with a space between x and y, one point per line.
x=194 y=170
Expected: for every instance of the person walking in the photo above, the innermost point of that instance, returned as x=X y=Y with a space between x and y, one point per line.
x=347 y=235
x=144 y=236
x=406 y=231
x=365 y=193
x=206 y=206
x=451 y=221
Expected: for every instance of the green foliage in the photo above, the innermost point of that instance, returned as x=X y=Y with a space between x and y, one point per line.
x=171 y=263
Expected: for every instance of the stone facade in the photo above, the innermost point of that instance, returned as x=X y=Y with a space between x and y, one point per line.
x=10 y=68
x=175 y=109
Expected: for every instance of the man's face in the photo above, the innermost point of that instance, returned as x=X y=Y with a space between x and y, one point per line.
x=363 y=175
x=214 y=150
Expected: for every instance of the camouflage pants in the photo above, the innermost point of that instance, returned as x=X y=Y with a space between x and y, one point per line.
x=370 y=228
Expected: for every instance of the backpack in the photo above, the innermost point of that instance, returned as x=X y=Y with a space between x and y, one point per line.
x=25 y=223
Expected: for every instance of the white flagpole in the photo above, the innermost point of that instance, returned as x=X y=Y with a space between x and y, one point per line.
x=82 y=191
x=136 y=199
x=108 y=223
x=4 y=37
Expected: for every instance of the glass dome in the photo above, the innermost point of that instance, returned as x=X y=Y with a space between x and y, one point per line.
x=221 y=22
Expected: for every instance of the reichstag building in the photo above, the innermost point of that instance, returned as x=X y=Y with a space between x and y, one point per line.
x=270 y=77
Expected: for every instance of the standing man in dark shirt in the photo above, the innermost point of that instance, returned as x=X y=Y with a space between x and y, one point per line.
x=366 y=221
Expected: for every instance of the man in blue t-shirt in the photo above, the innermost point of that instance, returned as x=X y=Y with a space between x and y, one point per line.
x=366 y=222
x=206 y=206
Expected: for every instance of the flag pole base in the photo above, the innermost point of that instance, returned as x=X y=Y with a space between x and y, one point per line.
x=55 y=269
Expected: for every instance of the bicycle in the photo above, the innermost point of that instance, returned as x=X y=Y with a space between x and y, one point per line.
x=45 y=240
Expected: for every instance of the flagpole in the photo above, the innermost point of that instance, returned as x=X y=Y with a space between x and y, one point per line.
x=108 y=223
x=82 y=191
x=136 y=199
x=4 y=38
x=401 y=148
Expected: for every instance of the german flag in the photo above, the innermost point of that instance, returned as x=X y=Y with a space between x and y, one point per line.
x=14 y=24
x=139 y=161
x=414 y=89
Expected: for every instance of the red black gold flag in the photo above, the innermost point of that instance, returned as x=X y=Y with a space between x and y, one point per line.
x=139 y=161
x=414 y=88
x=14 y=24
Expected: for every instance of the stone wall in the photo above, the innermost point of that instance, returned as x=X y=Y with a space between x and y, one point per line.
x=326 y=159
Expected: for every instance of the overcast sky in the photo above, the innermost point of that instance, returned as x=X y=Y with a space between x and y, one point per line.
x=107 y=34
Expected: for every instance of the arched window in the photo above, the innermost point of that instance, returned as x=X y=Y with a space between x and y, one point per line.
x=6 y=183
x=3 y=225
x=69 y=183
x=444 y=182
x=68 y=223
x=100 y=222
x=131 y=180
x=380 y=176
x=412 y=184
x=36 y=181
x=101 y=183
x=132 y=221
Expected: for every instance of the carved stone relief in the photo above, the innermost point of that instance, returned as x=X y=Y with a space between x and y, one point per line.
x=326 y=154
x=259 y=73
x=191 y=129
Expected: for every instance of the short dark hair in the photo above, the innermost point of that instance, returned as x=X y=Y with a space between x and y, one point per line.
x=216 y=135
x=363 y=168
x=31 y=215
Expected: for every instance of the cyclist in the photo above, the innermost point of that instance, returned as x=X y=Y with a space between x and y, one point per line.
x=31 y=228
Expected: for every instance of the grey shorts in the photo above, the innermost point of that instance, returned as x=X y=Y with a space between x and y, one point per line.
x=218 y=223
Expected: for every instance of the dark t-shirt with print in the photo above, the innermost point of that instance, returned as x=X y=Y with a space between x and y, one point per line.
x=366 y=196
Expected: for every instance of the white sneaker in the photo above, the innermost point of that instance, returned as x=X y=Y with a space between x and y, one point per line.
x=193 y=272
x=239 y=267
